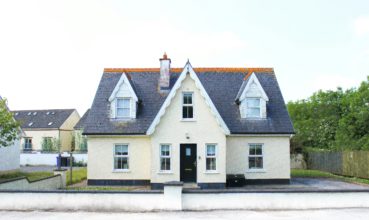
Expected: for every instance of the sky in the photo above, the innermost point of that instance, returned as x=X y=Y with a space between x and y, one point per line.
x=52 y=53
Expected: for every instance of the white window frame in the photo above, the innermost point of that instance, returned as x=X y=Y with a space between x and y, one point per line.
x=165 y=157
x=188 y=105
x=129 y=109
x=121 y=156
x=252 y=107
x=254 y=156
x=215 y=156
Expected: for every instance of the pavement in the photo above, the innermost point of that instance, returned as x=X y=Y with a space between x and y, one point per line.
x=321 y=214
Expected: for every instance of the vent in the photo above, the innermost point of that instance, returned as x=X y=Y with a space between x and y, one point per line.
x=48 y=113
x=34 y=113
x=30 y=124
x=29 y=113
x=53 y=113
x=50 y=123
x=17 y=113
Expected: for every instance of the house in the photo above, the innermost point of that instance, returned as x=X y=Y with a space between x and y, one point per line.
x=80 y=141
x=9 y=155
x=198 y=125
x=47 y=130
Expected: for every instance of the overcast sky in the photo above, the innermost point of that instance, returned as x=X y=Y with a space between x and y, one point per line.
x=52 y=53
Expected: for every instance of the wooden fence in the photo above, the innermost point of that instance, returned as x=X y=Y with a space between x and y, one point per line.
x=346 y=163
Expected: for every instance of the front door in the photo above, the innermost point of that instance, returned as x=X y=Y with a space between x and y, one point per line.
x=188 y=163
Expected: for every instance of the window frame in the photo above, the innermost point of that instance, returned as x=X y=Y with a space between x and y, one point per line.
x=188 y=105
x=27 y=144
x=121 y=156
x=129 y=108
x=262 y=155
x=215 y=157
x=253 y=107
x=165 y=157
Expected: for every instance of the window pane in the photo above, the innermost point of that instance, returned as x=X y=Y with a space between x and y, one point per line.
x=187 y=112
x=211 y=164
x=165 y=150
x=123 y=112
x=210 y=150
x=252 y=150
x=253 y=112
x=258 y=150
x=253 y=102
x=187 y=98
x=121 y=150
x=164 y=163
x=123 y=103
x=121 y=163
x=251 y=162
x=258 y=162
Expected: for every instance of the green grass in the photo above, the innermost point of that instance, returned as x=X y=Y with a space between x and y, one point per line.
x=105 y=188
x=31 y=176
x=78 y=175
x=322 y=174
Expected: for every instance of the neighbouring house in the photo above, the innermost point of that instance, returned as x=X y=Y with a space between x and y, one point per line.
x=48 y=130
x=148 y=126
x=80 y=140
x=9 y=155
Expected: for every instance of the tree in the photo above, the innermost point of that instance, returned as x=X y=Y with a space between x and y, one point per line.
x=9 y=128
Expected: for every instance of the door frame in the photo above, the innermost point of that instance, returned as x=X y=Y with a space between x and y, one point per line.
x=180 y=161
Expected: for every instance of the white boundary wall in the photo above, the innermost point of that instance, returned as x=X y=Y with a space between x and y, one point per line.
x=38 y=158
x=172 y=199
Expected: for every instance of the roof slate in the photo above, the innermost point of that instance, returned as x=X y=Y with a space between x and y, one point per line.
x=41 y=119
x=221 y=85
x=81 y=123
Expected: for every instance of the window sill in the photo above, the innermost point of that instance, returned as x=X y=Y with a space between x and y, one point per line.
x=165 y=172
x=211 y=172
x=256 y=171
x=188 y=120
x=121 y=171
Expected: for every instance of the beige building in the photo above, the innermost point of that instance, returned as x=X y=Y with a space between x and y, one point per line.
x=206 y=126
x=47 y=130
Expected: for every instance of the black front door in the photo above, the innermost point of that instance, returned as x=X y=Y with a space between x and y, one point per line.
x=188 y=163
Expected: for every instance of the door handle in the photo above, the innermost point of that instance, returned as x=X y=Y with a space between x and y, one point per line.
x=194 y=164
x=188 y=169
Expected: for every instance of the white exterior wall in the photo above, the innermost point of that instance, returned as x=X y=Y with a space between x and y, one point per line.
x=38 y=158
x=101 y=158
x=9 y=157
x=202 y=130
x=37 y=136
x=276 y=156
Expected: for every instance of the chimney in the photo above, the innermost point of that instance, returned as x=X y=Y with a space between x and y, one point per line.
x=164 y=73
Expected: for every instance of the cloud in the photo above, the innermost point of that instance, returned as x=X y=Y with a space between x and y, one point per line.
x=361 y=26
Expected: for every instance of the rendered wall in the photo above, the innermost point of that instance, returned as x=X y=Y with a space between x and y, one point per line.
x=276 y=157
x=9 y=157
x=101 y=158
x=37 y=137
x=202 y=130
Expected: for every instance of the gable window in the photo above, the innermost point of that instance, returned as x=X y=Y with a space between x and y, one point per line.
x=187 y=105
x=211 y=160
x=123 y=108
x=253 y=108
x=121 y=157
x=165 y=157
x=255 y=156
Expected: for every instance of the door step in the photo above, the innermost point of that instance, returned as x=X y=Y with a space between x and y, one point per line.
x=190 y=186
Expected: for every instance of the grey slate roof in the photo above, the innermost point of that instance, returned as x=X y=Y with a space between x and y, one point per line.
x=222 y=88
x=81 y=123
x=42 y=118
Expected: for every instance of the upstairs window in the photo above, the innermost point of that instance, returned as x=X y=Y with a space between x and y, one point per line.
x=253 y=108
x=121 y=157
x=255 y=156
x=123 y=108
x=187 y=105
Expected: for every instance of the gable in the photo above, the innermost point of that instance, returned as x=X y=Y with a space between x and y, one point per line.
x=253 y=88
x=188 y=72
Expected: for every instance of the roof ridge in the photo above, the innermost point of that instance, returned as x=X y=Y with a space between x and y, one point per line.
x=196 y=69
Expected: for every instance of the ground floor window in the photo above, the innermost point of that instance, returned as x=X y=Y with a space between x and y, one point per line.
x=165 y=157
x=255 y=156
x=27 y=146
x=211 y=160
x=121 y=157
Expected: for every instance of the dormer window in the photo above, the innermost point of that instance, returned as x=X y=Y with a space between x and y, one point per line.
x=253 y=108
x=123 y=107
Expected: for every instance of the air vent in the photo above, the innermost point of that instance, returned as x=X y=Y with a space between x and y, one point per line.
x=50 y=123
x=29 y=113
x=17 y=113
x=34 y=113
x=48 y=113
x=30 y=124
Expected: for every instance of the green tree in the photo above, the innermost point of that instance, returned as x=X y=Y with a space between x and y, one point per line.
x=9 y=128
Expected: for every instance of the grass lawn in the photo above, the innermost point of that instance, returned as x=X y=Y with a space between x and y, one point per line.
x=78 y=175
x=31 y=176
x=322 y=174
x=109 y=188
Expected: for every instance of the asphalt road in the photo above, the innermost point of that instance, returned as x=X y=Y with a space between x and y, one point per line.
x=327 y=214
